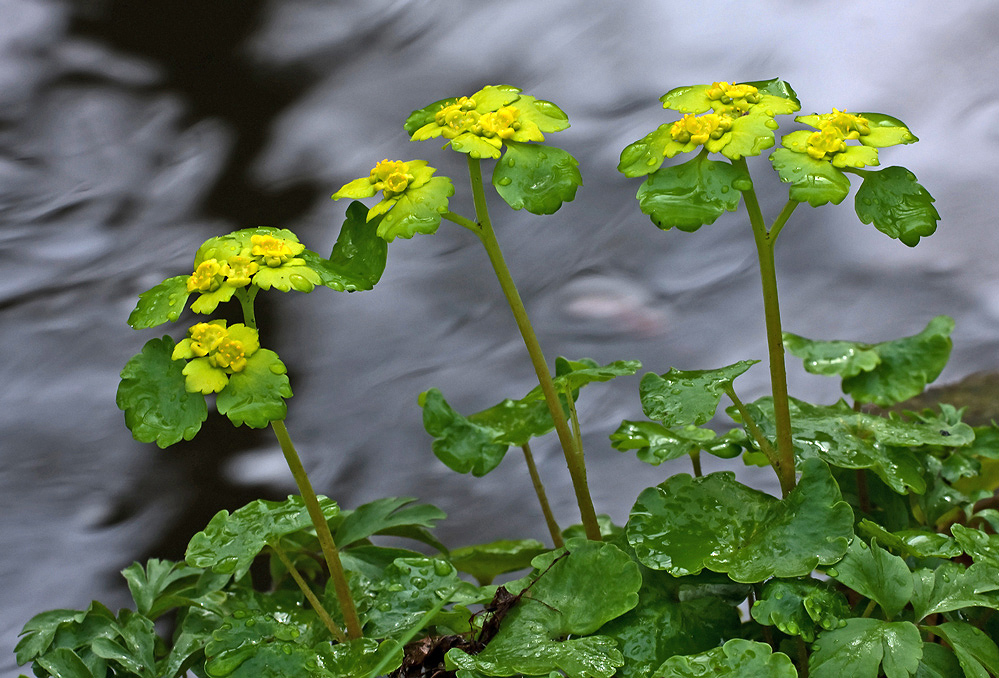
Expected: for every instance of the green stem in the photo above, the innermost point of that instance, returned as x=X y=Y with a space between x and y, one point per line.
x=695 y=460
x=462 y=221
x=761 y=440
x=309 y=594
x=574 y=460
x=869 y=609
x=326 y=543
x=775 y=343
x=539 y=489
x=246 y=298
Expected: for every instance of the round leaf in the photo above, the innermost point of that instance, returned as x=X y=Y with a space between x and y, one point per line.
x=255 y=396
x=418 y=210
x=738 y=658
x=897 y=205
x=693 y=194
x=863 y=645
x=679 y=397
x=535 y=177
x=813 y=181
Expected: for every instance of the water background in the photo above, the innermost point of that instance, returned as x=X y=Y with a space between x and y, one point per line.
x=132 y=131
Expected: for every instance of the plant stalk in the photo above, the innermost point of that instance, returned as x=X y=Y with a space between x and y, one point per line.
x=539 y=489
x=765 y=240
x=326 y=543
x=310 y=595
x=761 y=440
x=573 y=459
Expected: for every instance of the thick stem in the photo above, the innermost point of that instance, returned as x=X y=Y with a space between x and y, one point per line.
x=775 y=343
x=326 y=543
x=695 y=460
x=246 y=297
x=539 y=489
x=309 y=594
x=577 y=469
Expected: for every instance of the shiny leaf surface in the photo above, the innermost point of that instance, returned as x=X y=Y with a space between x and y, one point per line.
x=255 y=396
x=801 y=607
x=654 y=443
x=873 y=572
x=418 y=210
x=693 y=194
x=486 y=561
x=976 y=652
x=897 y=205
x=738 y=658
x=816 y=182
x=682 y=398
x=163 y=303
x=536 y=178
x=863 y=646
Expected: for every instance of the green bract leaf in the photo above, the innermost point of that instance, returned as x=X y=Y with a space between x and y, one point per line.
x=976 y=652
x=646 y=155
x=536 y=178
x=951 y=587
x=163 y=303
x=801 y=607
x=418 y=210
x=681 y=398
x=862 y=646
x=486 y=561
x=686 y=524
x=359 y=255
x=255 y=396
x=897 y=205
x=738 y=658
x=886 y=131
x=405 y=592
x=397 y=516
x=229 y=543
x=693 y=194
x=813 y=181
x=656 y=443
x=875 y=573
x=153 y=395
x=884 y=373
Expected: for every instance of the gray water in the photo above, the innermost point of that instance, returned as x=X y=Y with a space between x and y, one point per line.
x=129 y=136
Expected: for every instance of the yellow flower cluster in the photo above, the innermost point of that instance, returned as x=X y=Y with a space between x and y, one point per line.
x=214 y=352
x=211 y=274
x=461 y=117
x=392 y=177
x=833 y=131
x=737 y=98
x=733 y=101
x=698 y=129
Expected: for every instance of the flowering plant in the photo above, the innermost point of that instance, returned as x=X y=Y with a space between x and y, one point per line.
x=879 y=557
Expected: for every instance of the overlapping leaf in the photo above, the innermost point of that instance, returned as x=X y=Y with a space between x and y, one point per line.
x=801 y=607
x=737 y=658
x=396 y=516
x=715 y=522
x=405 y=592
x=897 y=205
x=681 y=398
x=655 y=443
x=229 y=543
x=884 y=373
x=154 y=398
x=951 y=587
x=976 y=652
x=163 y=303
x=535 y=177
x=487 y=561
x=255 y=395
x=816 y=182
x=359 y=255
x=863 y=646
x=873 y=572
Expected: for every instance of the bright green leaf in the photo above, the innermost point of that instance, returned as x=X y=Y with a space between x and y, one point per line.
x=801 y=607
x=645 y=155
x=153 y=395
x=655 y=443
x=418 y=210
x=886 y=131
x=461 y=443
x=976 y=652
x=897 y=205
x=751 y=134
x=738 y=658
x=715 y=522
x=693 y=194
x=536 y=178
x=873 y=572
x=862 y=646
x=163 y=303
x=359 y=255
x=680 y=398
x=813 y=181
x=229 y=543
x=255 y=396
x=486 y=561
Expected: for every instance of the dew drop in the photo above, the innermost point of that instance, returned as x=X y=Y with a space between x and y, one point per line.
x=511 y=162
x=441 y=568
x=505 y=181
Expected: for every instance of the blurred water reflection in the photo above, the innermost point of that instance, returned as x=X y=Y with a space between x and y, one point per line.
x=130 y=132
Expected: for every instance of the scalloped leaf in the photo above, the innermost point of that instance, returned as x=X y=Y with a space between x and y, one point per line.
x=897 y=205
x=886 y=131
x=418 y=210
x=813 y=181
x=681 y=398
x=692 y=194
x=229 y=543
x=572 y=375
x=842 y=358
x=801 y=607
x=487 y=561
x=860 y=647
x=161 y=304
x=256 y=395
x=655 y=443
x=535 y=177
x=873 y=572
x=153 y=396
x=737 y=658
x=751 y=134
x=715 y=522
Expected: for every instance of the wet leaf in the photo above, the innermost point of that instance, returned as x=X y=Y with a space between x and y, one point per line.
x=951 y=587
x=873 y=572
x=572 y=375
x=884 y=373
x=862 y=646
x=982 y=547
x=897 y=205
x=405 y=592
x=738 y=658
x=682 y=398
x=359 y=255
x=813 y=181
x=229 y=543
x=917 y=543
x=358 y=658
x=655 y=443
x=535 y=177
x=976 y=652
x=61 y=637
x=134 y=651
x=65 y=663
x=486 y=561
x=714 y=522
x=938 y=662
x=647 y=154
x=255 y=396
x=154 y=398
x=397 y=516
x=692 y=194
x=163 y=303
x=886 y=131
x=418 y=210
x=164 y=585
x=801 y=607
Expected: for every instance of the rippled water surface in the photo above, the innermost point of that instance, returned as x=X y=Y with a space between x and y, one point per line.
x=130 y=132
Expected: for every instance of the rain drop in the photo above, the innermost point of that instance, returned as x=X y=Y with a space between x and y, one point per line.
x=505 y=181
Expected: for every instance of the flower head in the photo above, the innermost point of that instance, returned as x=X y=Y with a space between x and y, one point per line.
x=214 y=352
x=829 y=141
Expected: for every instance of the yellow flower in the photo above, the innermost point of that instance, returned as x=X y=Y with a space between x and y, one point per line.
x=207 y=277
x=851 y=126
x=214 y=352
x=391 y=177
x=274 y=251
x=698 y=129
x=240 y=270
x=826 y=141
